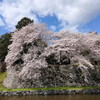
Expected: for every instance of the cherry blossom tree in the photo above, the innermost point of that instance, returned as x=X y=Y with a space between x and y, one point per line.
x=71 y=60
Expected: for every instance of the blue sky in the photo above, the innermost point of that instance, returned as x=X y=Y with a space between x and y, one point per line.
x=73 y=15
x=93 y=25
x=51 y=21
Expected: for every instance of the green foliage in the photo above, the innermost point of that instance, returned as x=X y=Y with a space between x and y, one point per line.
x=2 y=67
x=4 y=42
x=23 y=22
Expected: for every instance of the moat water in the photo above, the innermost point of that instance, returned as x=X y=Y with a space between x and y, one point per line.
x=53 y=97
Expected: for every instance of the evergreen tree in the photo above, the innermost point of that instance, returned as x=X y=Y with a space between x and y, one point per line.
x=23 y=22
x=4 y=42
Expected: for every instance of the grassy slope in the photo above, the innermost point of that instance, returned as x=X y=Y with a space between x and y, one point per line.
x=2 y=88
x=2 y=76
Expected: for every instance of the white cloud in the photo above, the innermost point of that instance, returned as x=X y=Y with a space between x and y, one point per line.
x=72 y=13
x=12 y=12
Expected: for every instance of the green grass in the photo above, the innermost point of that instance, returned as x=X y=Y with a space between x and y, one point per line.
x=2 y=88
x=2 y=76
x=52 y=88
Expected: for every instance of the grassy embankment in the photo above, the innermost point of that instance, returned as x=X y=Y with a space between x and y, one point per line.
x=2 y=76
x=2 y=88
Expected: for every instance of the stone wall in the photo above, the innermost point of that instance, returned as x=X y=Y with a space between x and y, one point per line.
x=49 y=92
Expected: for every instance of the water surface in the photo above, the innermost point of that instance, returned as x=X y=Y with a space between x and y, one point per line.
x=53 y=97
